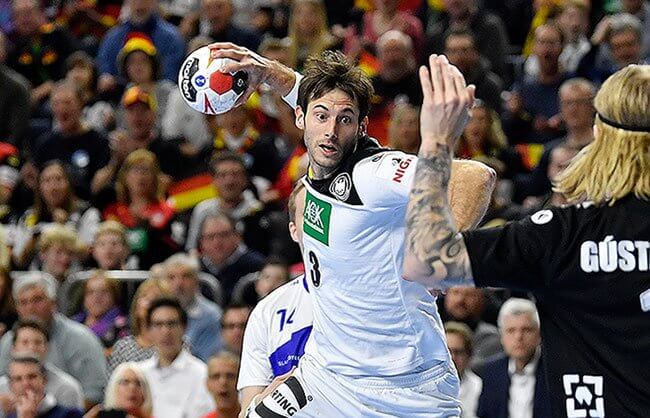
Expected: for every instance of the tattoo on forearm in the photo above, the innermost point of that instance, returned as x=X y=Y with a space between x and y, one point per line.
x=432 y=236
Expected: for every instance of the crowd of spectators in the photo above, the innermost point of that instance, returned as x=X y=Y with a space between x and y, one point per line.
x=137 y=234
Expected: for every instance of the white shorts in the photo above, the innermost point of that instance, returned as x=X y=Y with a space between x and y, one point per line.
x=316 y=392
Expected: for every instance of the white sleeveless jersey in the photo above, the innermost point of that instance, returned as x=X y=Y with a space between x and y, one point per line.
x=276 y=333
x=368 y=320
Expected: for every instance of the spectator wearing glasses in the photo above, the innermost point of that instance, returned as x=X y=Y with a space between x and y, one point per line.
x=74 y=348
x=459 y=341
x=233 y=325
x=224 y=255
x=177 y=378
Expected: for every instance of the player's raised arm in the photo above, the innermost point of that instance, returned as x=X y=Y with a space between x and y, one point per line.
x=259 y=69
x=434 y=250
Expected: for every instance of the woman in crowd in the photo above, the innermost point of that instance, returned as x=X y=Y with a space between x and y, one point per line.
x=7 y=308
x=141 y=208
x=404 y=128
x=308 y=31
x=55 y=202
x=138 y=346
x=483 y=138
x=128 y=391
x=101 y=312
x=110 y=249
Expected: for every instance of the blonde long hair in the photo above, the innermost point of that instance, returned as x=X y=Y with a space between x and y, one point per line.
x=323 y=39
x=617 y=162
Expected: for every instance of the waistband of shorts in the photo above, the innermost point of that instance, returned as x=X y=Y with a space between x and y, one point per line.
x=420 y=374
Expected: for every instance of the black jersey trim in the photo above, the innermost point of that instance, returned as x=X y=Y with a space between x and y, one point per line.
x=366 y=147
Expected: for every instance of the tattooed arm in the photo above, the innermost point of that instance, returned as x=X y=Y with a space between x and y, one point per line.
x=435 y=253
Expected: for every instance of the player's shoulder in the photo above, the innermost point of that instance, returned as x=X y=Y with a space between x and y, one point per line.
x=389 y=165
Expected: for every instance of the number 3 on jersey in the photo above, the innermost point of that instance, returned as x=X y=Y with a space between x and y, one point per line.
x=314 y=271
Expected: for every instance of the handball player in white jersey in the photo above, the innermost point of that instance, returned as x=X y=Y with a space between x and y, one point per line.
x=377 y=347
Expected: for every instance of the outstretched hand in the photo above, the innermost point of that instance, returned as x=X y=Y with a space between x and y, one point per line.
x=259 y=69
x=446 y=104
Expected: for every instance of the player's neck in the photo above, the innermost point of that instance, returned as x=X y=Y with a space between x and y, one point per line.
x=321 y=173
x=232 y=412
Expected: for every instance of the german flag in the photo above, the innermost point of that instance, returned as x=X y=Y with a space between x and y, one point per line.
x=187 y=193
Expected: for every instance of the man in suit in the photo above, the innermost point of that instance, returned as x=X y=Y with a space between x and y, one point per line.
x=514 y=384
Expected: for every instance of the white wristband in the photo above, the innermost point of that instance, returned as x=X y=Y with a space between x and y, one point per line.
x=292 y=98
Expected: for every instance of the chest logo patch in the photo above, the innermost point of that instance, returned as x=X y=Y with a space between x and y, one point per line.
x=584 y=396
x=341 y=186
x=317 y=218
x=542 y=217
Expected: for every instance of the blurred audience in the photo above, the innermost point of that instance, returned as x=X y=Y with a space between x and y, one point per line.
x=101 y=311
x=73 y=347
x=142 y=17
x=81 y=149
x=31 y=338
x=127 y=391
x=466 y=305
x=177 y=378
x=224 y=255
x=488 y=30
x=15 y=106
x=514 y=385
x=139 y=345
x=223 y=370
x=532 y=108
x=460 y=49
x=274 y=274
x=55 y=202
x=459 y=342
x=233 y=324
x=140 y=207
x=110 y=248
x=28 y=379
x=204 y=316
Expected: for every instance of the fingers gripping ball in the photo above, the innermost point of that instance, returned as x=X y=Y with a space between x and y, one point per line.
x=207 y=90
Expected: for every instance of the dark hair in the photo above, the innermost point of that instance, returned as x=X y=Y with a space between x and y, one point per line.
x=223 y=156
x=330 y=70
x=166 y=302
x=275 y=260
x=29 y=359
x=233 y=306
x=31 y=323
x=40 y=208
x=156 y=67
x=82 y=59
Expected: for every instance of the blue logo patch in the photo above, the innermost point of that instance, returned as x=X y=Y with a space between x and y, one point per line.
x=200 y=81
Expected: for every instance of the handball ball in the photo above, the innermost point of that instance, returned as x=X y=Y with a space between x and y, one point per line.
x=206 y=89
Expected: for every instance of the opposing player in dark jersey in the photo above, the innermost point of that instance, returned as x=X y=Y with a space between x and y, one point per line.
x=586 y=264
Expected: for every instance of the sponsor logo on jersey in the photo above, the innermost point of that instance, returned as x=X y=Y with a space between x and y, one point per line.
x=317 y=218
x=341 y=186
x=401 y=169
x=584 y=395
x=610 y=255
x=189 y=69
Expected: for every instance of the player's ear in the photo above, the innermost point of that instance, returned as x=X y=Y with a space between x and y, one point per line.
x=363 y=126
x=293 y=231
x=300 y=118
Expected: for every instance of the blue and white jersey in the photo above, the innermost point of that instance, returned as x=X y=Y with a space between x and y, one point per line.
x=276 y=334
